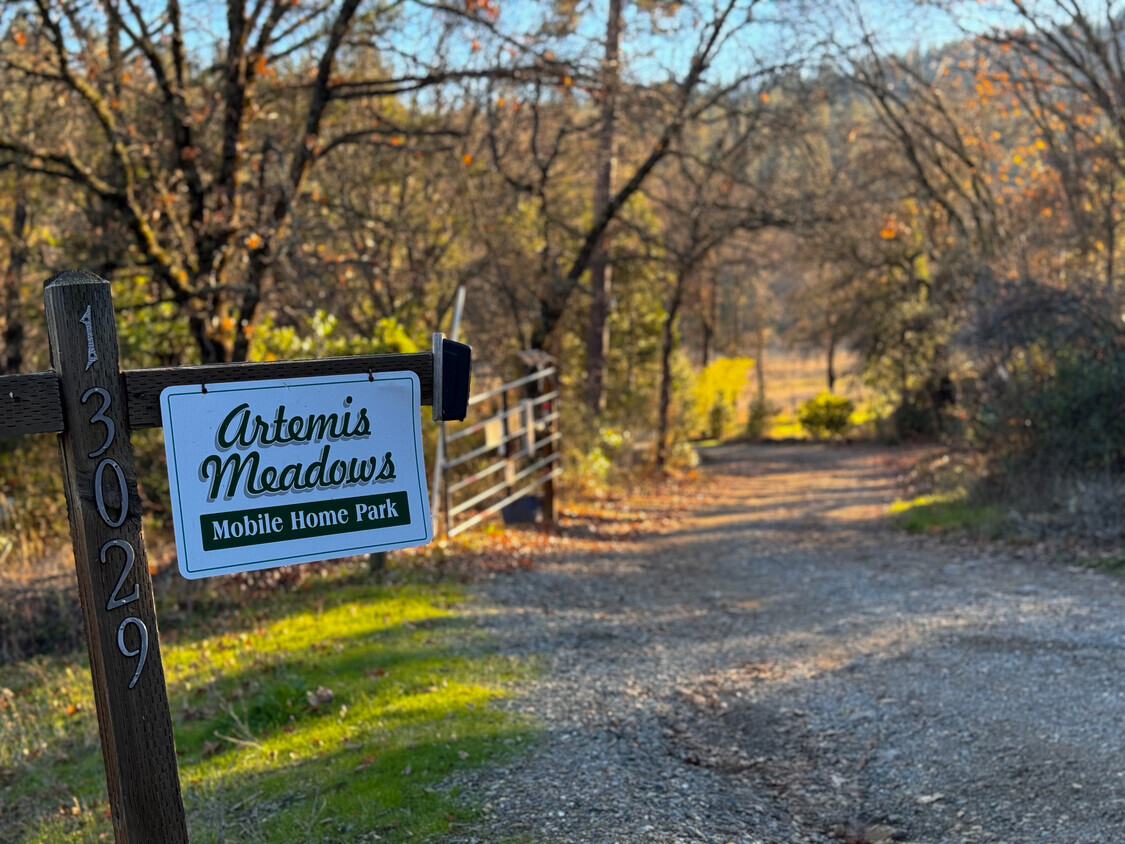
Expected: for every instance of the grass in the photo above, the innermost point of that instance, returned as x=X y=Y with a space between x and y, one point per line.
x=945 y=512
x=1114 y=564
x=785 y=426
x=331 y=714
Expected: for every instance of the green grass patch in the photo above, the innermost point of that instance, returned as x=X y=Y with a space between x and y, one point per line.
x=1111 y=565
x=785 y=426
x=945 y=512
x=327 y=715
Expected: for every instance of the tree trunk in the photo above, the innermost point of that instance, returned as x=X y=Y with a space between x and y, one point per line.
x=709 y=319
x=831 y=361
x=760 y=359
x=597 y=337
x=13 y=282
x=666 y=347
x=1111 y=242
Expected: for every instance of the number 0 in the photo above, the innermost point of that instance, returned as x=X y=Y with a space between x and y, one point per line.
x=99 y=492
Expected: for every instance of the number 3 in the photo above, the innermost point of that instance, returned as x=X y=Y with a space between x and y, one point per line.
x=100 y=416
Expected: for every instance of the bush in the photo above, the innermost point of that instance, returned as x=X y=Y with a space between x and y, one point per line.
x=721 y=418
x=826 y=415
x=913 y=419
x=759 y=420
x=1071 y=422
x=714 y=393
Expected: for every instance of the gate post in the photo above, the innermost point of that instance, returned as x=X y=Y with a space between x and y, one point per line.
x=550 y=506
x=104 y=507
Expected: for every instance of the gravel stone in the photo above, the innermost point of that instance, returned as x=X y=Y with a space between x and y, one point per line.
x=784 y=666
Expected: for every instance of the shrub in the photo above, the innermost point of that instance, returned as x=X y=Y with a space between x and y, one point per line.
x=759 y=420
x=913 y=418
x=826 y=415
x=721 y=418
x=1067 y=422
x=715 y=393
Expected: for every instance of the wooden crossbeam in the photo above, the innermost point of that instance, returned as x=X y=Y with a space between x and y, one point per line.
x=143 y=386
x=31 y=404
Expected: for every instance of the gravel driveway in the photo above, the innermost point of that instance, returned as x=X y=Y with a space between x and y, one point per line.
x=781 y=666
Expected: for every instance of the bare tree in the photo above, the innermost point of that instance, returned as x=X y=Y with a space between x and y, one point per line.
x=715 y=192
x=678 y=102
x=597 y=337
x=206 y=166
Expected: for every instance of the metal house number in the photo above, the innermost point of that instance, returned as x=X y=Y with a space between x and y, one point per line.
x=108 y=467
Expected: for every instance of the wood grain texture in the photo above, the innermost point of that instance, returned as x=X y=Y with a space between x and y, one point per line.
x=144 y=385
x=30 y=404
x=135 y=724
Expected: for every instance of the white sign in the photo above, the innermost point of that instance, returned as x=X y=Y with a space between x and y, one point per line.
x=271 y=473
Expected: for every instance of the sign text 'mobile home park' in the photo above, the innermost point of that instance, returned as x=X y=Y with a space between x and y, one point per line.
x=270 y=473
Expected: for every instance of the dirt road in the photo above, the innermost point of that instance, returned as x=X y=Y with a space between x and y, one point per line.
x=785 y=667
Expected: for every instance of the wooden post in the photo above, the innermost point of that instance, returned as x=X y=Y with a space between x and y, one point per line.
x=505 y=448
x=104 y=506
x=550 y=504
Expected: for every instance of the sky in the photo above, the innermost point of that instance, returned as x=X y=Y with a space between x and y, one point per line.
x=658 y=46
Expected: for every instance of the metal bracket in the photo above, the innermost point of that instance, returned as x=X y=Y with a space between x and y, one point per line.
x=452 y=373
x=439 y=387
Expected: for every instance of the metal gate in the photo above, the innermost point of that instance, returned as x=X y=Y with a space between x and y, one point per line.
x=498 y=461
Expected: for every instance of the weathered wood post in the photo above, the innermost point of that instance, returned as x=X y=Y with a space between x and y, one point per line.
x=115 y=590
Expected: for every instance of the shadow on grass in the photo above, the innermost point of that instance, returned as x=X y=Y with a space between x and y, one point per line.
x=333 y=715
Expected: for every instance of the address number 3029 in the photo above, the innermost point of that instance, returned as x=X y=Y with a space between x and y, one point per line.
x=106 y=469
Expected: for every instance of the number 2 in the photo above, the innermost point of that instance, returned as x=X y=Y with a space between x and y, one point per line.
x=114 y=601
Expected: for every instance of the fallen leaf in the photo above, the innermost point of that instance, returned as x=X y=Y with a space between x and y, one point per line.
x=366 y=763
x=322 y=695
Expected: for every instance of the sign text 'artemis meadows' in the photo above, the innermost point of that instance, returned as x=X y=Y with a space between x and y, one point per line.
x=242 y=429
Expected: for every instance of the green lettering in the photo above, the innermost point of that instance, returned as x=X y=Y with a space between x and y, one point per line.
x=235 y=465
x=223 y=437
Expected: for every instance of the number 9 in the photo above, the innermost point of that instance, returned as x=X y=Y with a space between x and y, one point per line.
x=141 y=651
